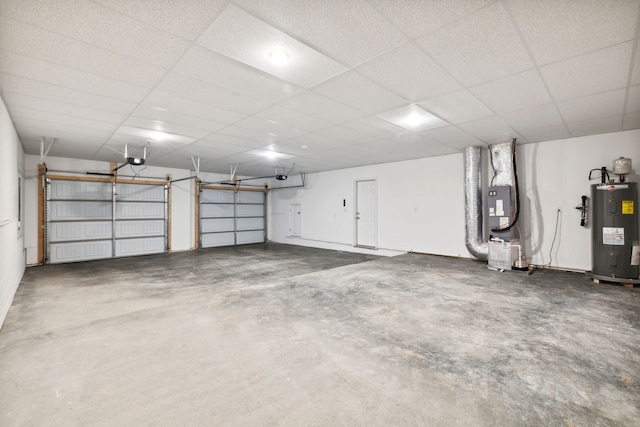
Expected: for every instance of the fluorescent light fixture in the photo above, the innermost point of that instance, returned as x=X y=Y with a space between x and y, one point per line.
x=412 y=118
x=279 y=57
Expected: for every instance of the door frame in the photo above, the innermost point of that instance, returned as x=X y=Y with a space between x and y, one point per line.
x=375 y=214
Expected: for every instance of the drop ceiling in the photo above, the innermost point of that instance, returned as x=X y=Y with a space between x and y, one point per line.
x=365 y=82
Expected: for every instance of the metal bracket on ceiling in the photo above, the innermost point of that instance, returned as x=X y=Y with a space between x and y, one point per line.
x=44 y=153
x=196 y=165
x=234 y=168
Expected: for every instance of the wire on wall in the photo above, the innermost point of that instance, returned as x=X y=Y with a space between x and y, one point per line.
x=555 y=235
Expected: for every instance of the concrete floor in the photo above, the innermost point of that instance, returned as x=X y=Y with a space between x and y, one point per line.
x=268 y=335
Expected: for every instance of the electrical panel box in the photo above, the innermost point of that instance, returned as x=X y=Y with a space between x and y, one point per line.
x=500 y=212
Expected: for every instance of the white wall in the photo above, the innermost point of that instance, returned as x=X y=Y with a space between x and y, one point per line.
x=12 y=262
x=421 y=202
x=553 y=175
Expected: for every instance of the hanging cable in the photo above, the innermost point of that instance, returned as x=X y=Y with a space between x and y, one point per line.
x=555 y=234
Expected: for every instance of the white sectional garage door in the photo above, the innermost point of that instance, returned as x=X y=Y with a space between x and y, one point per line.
x=88 y=220
x=141 y=213
x=229 y=217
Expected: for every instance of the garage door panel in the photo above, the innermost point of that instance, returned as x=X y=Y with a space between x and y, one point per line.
x=80 y=251
x=80 y=223
x=78 y=211
x=245 y=237
x=130 y=247
x=139 y=210
x=214 y=225
x=216 y=211
x=250 y=197
x=73 y=231
x=126 y=229
x=81 y=190
x=217 y=239
x=216 y=196
x=249 y=224
x=249 y=210
x=140 y=192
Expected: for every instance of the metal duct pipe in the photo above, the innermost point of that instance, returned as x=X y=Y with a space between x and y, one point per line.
x=474 y=238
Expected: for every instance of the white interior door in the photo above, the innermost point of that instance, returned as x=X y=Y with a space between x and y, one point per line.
x=295 y=220
x=366 y=213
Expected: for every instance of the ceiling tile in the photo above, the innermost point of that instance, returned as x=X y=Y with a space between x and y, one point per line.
x=174 y=118
x=134 y=145
x=208 y=149
x=94 y=24
x=248 y=137
x=595 y=126
x=375 y=127
x=410 y=73
x=34 y=69
x=416 y=18
x=66 y=134
x=633 y=99
x=352 y=89
x=412 y=118
x=211 y=67
x=546 y=133
x=533 y=118
x=36 y=43
x=559 y=30
x=293 y=118
x=20 y=100
x=490 y=129
x=314 y=142
x=61 y=119
x=479 y=48
x=594 y=106
x=65 y=95
x=635 y=73
x=270 y=127
x=454 y=137
x=244 y=141
x=631 y=121
x=174 y=16
x=245 y=38
x=292 y=151
x=153 y=135
x=457 y=107
x=345 y=135
x=416 y=145
x=517 y=92
x=165 y=127
x=320 y=106
x=171 y=104
x=351 y=32
x=206 y=93
x=73 y=151
x=595 y=72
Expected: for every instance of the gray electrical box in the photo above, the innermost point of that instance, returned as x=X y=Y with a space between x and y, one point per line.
x=500 y=212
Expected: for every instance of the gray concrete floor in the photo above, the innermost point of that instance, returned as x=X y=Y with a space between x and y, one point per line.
x=267 y=335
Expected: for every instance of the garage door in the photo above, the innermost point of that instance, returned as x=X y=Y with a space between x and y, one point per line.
x=231 y=217
x=88 y=220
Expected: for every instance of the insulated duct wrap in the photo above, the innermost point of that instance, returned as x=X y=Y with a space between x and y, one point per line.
x=502 y=163
x=473 y=204
x=501 y=156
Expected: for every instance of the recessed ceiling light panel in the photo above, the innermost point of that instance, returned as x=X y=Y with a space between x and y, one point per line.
x=279 y=57
x=412 y=118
